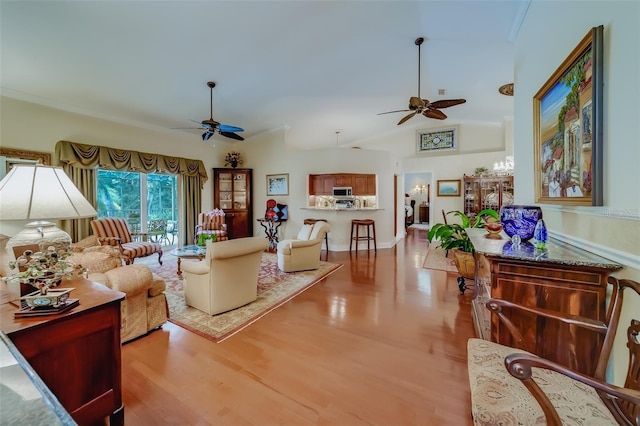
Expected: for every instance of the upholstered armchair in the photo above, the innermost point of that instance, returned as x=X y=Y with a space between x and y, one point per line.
x=303 y=253
x=145 y=305
x=510 y=385
x=227 y=278
x=115 y=232
x=211 y=223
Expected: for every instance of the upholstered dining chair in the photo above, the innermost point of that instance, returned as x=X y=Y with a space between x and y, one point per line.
x=510 y=385
x=115 y=232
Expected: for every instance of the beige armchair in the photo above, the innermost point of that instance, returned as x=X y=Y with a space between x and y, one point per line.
x=228 y=276
x=303 y=253
x=145 y=305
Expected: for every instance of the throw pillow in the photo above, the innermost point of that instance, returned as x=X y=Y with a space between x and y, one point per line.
x=305 y=232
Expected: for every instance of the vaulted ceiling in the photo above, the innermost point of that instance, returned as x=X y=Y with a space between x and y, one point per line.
x=311 y=67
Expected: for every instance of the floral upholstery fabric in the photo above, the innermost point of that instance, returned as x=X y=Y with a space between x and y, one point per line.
x=498 y=398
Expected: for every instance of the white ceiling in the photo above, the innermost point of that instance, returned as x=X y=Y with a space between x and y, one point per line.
x=312 y=67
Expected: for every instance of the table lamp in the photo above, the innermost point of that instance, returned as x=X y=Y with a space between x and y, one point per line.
x=38 y=192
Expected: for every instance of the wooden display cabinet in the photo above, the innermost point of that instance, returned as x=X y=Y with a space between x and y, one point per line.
x=486 y=193
x=232 y=193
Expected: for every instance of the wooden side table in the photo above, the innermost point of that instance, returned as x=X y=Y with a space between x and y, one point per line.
x=424 y=214
x=76 y=353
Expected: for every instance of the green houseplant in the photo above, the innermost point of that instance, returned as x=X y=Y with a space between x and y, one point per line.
x=454 y=237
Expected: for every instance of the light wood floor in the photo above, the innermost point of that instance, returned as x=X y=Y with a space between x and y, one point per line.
x=379 y=342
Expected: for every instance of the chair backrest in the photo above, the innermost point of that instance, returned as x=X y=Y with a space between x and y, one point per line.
x=210 y=223
x=320 y=228
x=444 y=217
x=111 y=227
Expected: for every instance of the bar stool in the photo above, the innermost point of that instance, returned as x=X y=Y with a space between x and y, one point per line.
x=313 y=221
x=371 y=226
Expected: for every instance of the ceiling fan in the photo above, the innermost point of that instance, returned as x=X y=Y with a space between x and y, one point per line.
x=418 y=105
x=211 y=126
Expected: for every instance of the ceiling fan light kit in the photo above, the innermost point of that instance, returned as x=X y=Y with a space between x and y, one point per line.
x=419 y=105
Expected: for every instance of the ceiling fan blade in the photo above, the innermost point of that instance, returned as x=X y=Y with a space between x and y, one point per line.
x=207 y=135
x=228 y=128
x=391 y=112
x=446 y=103
x=416 y=103
x=232 y=135
x=406 y=117
x=434 y=113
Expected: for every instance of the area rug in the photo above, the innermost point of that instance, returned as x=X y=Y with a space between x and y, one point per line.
x=420 y=226
x=436 y=259
x=274 y=289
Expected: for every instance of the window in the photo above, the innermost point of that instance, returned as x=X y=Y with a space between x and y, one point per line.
x=138 y=198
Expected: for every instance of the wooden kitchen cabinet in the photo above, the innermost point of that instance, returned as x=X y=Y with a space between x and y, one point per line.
x=76 y=353
x=323 y=184
x=562 y=278
x=364 y=184
x=232 y=193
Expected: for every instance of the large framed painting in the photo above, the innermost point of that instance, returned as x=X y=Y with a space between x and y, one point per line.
x=437 y=141
x=568 y=128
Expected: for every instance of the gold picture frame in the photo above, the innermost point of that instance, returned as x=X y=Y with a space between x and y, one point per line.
x=22 y=154
x=568 y=128
x=278 y=184
x=449 y=187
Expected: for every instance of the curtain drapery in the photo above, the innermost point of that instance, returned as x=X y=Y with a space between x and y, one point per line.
x=81 y=161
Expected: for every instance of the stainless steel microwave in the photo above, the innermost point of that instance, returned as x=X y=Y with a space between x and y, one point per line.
x=342 y=191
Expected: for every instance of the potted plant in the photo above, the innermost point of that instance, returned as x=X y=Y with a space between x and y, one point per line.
x=454 y=237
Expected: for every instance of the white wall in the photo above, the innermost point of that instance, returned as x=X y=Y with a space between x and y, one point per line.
x=548 y=34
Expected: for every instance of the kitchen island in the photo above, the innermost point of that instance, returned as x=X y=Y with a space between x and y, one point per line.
x=561 y=278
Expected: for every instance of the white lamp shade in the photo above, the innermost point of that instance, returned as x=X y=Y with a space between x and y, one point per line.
x=36 y=192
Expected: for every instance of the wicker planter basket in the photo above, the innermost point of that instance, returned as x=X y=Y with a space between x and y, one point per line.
x=466 y=264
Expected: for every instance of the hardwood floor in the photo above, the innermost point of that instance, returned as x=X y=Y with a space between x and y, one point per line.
x=379 y=342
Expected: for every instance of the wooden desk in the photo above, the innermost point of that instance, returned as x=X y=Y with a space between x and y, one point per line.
x=562 y=278
x=76 y=353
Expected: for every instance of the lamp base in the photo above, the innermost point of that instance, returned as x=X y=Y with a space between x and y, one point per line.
x=44 y=234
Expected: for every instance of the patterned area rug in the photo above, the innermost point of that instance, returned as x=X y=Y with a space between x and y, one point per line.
x=274 y=289
x=435 y=259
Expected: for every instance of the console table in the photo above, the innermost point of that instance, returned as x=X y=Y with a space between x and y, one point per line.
x=561 y=278
x=76 y=353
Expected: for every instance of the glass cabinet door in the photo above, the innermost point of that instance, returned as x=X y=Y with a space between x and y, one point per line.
x=239 y=191
x=225 y=182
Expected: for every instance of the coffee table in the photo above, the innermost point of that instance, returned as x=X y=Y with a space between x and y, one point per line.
x=188 y=252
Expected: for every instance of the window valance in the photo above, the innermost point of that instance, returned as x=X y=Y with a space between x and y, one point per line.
x=90 y=157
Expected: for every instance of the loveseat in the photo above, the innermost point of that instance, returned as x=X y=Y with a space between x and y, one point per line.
x=145 y=305
x=303 y=253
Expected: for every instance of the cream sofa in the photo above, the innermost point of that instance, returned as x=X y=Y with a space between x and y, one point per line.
x=227 y=277
x=303 y=253
x=145 y=305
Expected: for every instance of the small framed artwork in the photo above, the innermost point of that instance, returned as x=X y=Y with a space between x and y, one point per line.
x=278 y=184
x=434 y=141
x=568 y=128
x=449 y=188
